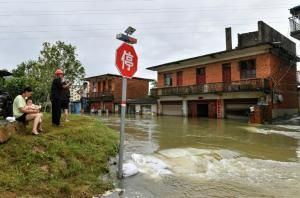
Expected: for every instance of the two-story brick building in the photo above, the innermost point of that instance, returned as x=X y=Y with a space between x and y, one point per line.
x=106 y=93
x=261 y=70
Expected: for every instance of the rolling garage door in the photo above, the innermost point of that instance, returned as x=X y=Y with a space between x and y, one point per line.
x=172 y=108
x=238 y=109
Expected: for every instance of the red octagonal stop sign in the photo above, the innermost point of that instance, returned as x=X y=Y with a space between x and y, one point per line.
x=126 y=60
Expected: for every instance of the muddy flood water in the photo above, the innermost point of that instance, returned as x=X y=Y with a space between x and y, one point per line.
x=185 y=157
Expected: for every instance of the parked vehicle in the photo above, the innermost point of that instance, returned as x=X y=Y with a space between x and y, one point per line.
x=6 y=100
x=5 y=104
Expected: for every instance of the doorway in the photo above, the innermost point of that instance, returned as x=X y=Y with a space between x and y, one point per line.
x=200 y=76
x=202 y=110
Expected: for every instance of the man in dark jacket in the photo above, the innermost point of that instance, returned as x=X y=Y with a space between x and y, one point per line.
x=56 y=95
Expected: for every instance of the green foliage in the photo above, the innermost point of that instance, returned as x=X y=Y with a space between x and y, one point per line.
x=26 y=69
x=15 y=85
x=2 y=83
x=62 y=162
x=154 y=83
x=39 y=74
x=63 y=56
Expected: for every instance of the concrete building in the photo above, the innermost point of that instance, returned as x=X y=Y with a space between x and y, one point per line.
x=74 y=96
x=295 y=22
x=260 y=71
x=295 y=32
x=106 y=93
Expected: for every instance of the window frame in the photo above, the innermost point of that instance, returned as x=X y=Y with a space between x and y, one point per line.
x=247 y=69
x=170 y=82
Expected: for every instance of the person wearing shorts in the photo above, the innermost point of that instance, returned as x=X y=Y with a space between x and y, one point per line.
x=65 y=100
x=83 y=97
x=22 y=114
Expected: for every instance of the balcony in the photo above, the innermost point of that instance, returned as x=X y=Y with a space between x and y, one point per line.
x=104 y=95
x=295 y=27
x=234 y=86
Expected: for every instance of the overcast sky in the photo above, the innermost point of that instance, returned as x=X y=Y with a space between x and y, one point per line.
x=167 y=30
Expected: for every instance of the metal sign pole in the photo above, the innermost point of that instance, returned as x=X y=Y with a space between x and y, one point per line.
x=122 y=127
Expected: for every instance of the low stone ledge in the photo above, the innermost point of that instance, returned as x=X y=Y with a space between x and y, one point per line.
x=7 y=129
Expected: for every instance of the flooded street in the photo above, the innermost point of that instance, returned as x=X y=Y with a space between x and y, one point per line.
x=185 y=157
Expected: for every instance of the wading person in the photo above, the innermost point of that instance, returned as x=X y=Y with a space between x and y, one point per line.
x=22 y=113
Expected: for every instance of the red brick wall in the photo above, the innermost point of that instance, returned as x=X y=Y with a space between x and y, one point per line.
x=118 y=88
x=136 y=88
x=266 y=65
x=214 y=71
x=160 y=79
x=287 y=85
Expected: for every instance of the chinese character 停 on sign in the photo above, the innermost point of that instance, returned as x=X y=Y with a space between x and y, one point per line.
x=127 y=60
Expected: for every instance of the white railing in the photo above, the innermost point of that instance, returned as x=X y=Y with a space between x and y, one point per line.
x=294 y=24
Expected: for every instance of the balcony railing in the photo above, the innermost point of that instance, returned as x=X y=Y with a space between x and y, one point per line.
x=234 y=86
x=98 y=95
x=295 y=27
x=294 y=24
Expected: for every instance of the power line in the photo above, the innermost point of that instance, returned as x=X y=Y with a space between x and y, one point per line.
x=110 y=36
x=135 y=11
x=139 y=23
x=54 y=2
x=66 y=13
x=103 y=37
x=118 y=28
x=165 y=9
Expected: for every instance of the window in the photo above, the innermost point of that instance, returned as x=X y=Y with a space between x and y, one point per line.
x=200 y=76
x=168 y=79
x=94 y=87
x=248 y=69
x=99 y=86
x=104 y=85
x=226 y=72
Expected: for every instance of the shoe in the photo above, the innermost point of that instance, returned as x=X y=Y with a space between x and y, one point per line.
x=40 y=130
x=35 y=133
x=67 y=120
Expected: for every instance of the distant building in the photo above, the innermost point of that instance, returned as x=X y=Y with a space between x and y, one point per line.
x=295 y=22
x=259 y=72
x=74 y=96
x=106 y=92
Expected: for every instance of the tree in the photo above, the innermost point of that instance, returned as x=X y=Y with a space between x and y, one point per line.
x=63 y=56
x=14 y=86
x=154 y=84
x=39 y=74
x=29 y=68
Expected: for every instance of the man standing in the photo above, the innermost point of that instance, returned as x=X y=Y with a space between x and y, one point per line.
x=83 y=97
x=23 y=114
x=56 y=96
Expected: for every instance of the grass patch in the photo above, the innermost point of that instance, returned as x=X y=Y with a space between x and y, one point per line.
x=63 y=162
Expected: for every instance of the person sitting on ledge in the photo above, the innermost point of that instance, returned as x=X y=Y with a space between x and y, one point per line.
x=23 y=114
x=31 y=106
